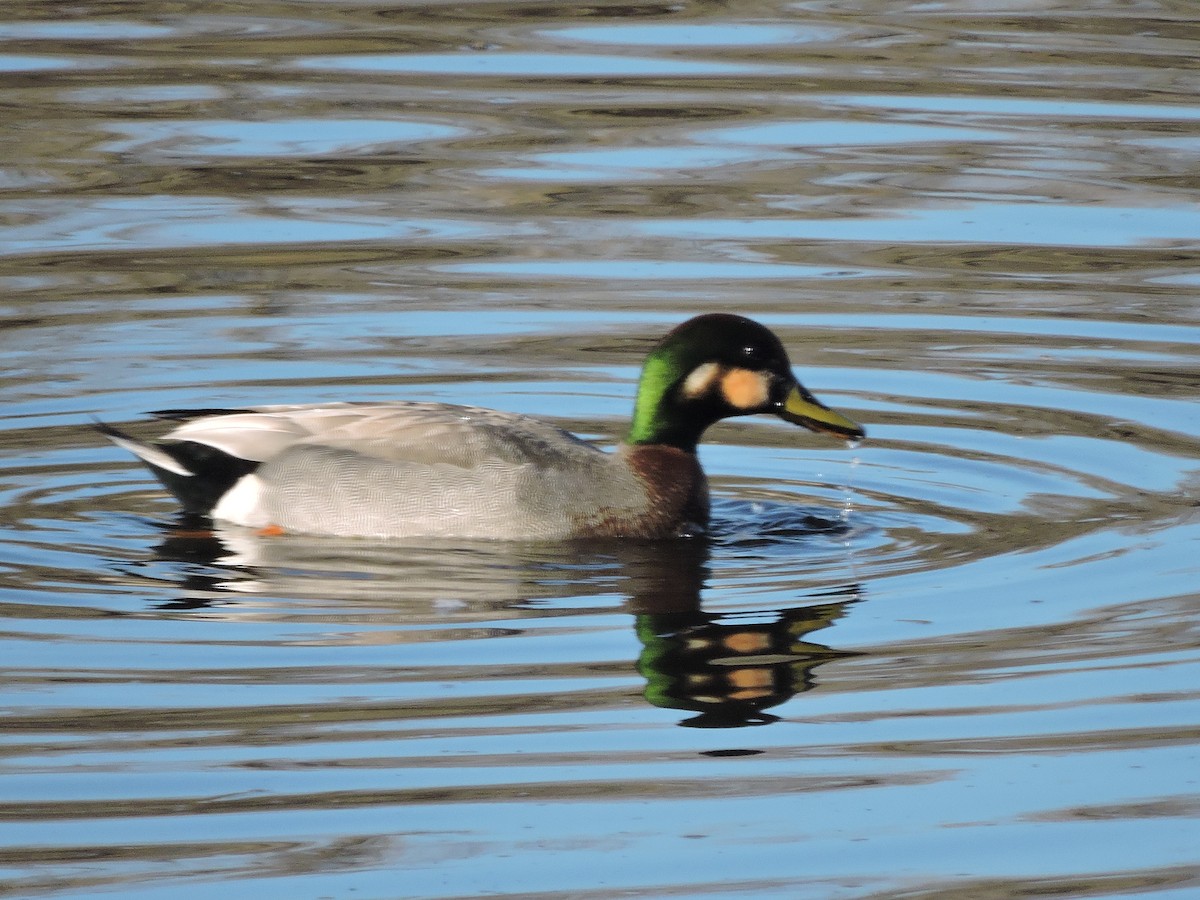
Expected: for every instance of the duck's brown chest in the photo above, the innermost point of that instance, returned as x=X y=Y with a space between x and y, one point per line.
x=673 y=490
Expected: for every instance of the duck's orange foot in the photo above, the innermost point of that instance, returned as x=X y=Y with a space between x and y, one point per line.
x=271 y=530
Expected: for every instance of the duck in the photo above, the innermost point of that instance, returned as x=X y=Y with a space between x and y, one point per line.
x=411 y=469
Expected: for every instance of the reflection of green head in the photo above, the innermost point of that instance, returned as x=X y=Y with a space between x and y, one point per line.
x=696 y=669
x=726 y=669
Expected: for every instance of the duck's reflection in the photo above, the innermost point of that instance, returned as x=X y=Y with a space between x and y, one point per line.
x=729 y=668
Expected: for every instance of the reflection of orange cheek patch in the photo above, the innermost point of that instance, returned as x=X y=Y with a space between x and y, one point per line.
x=751 y=678
x=746 y=642
x=744 y=389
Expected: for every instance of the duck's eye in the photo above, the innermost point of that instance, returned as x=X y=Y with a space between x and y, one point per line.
x=753 y=355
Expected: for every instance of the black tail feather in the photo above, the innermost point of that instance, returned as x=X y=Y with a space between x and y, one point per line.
x=186 y=415
x=212 y=472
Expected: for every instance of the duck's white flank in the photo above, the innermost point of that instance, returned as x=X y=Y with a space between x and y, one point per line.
x=242 y=503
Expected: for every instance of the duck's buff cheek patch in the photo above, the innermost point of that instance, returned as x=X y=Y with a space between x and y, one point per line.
x=700 y=381
x=744 y=389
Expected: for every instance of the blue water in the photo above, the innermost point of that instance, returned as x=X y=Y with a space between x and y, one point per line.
x=958 y=660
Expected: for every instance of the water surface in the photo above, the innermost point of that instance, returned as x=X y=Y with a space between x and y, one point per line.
x=958 y=661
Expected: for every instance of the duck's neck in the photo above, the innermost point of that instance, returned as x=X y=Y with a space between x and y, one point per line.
x=663 y=435
x=657 y=422
x=659 y=416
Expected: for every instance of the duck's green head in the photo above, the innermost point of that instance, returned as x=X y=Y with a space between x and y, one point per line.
x=716 y=366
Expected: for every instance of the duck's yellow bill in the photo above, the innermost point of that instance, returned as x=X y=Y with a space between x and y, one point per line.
x=802 y=408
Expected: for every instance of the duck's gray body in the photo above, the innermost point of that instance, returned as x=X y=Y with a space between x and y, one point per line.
x=428 y=470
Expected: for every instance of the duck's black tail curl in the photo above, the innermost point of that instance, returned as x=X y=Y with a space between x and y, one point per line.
x=196 y=474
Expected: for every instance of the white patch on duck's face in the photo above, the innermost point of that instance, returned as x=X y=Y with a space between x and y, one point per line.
x=745 y=389
x=701 y=380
